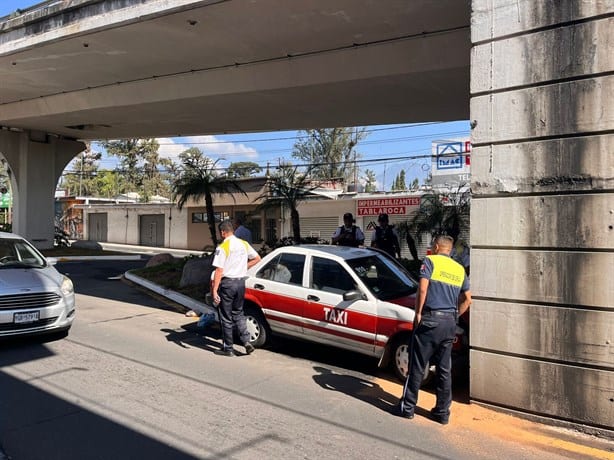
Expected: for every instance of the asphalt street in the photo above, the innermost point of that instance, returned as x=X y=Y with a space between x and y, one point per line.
x=137 y=379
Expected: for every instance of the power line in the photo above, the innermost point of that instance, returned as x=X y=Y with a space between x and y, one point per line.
x=413 y=125
x=285 y=150
x=298 y=166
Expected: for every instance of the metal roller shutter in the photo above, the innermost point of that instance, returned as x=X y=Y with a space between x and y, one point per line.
x=322 y=227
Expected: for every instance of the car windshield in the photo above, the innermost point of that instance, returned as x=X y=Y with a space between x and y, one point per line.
x=18 y=253
x=382 y=277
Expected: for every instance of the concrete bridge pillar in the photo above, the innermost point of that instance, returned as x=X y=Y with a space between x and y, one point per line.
x=36 y=161
x=542 y=217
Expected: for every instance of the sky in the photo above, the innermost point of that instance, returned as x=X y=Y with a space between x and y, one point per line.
x=387 y=149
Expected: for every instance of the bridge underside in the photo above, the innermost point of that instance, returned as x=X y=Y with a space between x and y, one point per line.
x=108 y=70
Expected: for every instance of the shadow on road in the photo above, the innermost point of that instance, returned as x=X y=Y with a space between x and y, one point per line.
x=37 y=425
x=364 y=390
x=348 y=365
x=192 y=336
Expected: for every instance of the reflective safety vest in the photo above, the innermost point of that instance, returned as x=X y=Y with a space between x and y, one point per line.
x=445 y=283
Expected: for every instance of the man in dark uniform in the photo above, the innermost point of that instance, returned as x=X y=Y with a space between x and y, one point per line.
x=231 y=260
x=348 y=234
x=443 y=287
x=385 y=237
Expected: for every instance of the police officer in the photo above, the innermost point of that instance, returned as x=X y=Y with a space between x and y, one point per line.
x=231 y=260
x=348 y=234
x=385 y=237
x=443 y=286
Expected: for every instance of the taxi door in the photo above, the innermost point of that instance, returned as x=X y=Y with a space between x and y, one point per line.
x=278 y=288
x=330 y=319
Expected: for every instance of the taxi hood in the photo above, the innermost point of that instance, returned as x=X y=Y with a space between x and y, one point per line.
x=405 y=301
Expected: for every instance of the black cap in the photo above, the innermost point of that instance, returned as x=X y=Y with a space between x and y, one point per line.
x=383 y=217
x=348 y=215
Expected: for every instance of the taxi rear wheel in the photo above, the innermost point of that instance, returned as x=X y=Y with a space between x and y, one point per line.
x=400 y=361
x=257 y=326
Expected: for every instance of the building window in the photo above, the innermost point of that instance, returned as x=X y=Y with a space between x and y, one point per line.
x=271 y=231
x=198 y=217
x=255 y=227
x=201 y=217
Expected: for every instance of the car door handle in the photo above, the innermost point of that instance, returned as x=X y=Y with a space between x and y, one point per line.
x=259 y=287
x=315 y=298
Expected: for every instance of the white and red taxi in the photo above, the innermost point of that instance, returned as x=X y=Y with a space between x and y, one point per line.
x=353 y=298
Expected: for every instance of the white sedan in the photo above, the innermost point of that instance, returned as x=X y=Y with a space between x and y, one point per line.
x=34 y=297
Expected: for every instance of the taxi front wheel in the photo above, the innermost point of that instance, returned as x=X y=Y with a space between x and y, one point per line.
x=257 y=326
x=400 y=361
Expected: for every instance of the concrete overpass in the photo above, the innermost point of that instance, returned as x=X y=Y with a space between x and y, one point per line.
x=539 y=92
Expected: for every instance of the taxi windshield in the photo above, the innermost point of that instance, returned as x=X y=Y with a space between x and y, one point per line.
x=383 y=277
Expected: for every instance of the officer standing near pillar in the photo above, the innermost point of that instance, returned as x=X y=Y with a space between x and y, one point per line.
x=231 y=260
x=443 y=295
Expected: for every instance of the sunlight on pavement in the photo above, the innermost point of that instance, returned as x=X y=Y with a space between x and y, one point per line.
x=507 y=427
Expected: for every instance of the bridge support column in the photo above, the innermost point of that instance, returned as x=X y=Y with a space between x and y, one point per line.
x=542 y=214
x=36 y=161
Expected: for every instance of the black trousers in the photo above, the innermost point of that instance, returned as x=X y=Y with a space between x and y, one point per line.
x=431 y=342
x=232 y=293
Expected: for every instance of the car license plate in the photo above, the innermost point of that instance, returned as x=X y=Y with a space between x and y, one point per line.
x=26 y=317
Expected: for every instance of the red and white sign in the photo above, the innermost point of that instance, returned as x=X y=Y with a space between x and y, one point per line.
x=374 y=207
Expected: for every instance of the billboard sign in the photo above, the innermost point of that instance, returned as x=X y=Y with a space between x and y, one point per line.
x=374 y=207
x=451 y=162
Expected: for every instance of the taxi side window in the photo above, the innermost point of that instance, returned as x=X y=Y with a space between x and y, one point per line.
x=328 y=275
x=285 y=268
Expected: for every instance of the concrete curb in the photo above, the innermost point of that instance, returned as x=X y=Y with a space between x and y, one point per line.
x=175 y=296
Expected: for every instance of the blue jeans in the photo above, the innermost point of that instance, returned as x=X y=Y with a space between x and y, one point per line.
x=431 y=342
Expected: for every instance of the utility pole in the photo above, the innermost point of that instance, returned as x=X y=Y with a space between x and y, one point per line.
x=81 y=174
x=384 y=181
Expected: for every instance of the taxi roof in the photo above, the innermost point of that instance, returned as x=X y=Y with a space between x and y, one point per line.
x=345 y=252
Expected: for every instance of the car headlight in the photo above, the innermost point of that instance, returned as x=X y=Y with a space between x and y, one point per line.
x=67 y=287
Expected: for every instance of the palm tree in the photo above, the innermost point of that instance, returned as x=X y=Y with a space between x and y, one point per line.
x=288 y=186
x=439 y=212
x=201 y=179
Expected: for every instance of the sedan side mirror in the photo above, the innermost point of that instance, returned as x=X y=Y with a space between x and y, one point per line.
x=52 y=260
x=355 y=294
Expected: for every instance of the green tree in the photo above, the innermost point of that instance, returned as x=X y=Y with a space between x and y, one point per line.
x=415 y=184
x=200 y=178
x=399 y=182
x=330 y=152
x=288 y=186
x=370 y=181
x=132 y=154
x=80 y=179
x=154 y=181
x=438 y=212
x=241 y=169
x=109 y=183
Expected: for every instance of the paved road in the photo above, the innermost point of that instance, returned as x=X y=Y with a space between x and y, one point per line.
x=135 y=379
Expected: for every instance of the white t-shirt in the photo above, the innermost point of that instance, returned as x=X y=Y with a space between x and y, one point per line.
x=232 y=255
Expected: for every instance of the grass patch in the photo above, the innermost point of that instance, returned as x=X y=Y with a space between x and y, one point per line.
x=168 y=276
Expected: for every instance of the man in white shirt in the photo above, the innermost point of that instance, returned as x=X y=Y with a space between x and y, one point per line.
x=231 y=260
